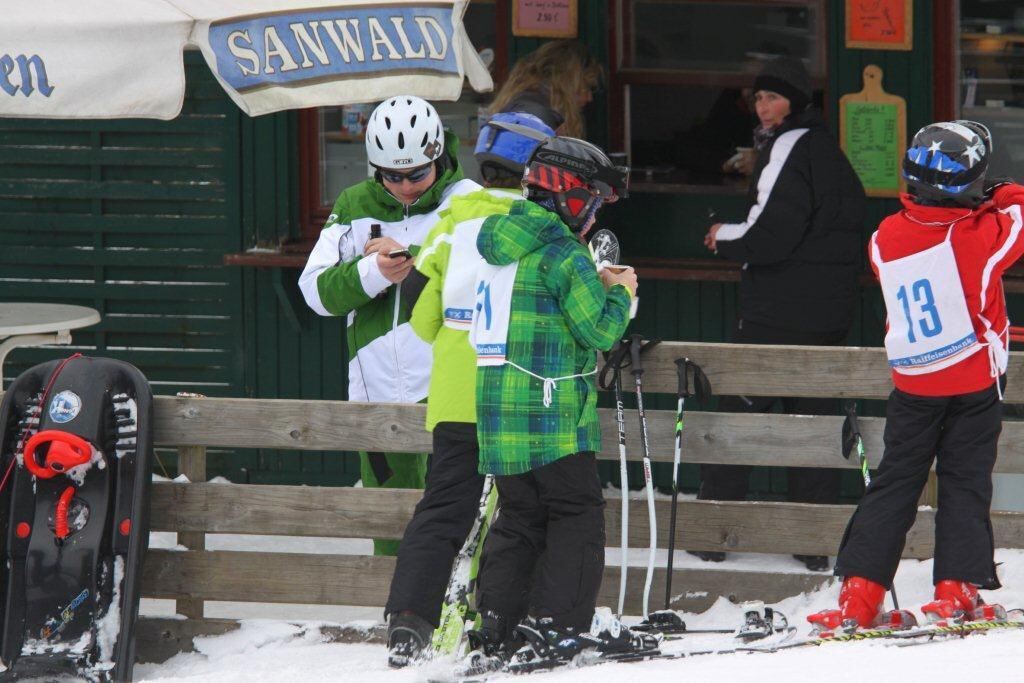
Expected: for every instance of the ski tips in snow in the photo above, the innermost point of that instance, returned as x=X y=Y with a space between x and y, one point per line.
x=759 y=621
x=899 y=635
x=76 y=450
x=664 y=621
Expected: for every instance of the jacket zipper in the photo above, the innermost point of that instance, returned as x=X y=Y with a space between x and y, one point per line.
x=394 y=322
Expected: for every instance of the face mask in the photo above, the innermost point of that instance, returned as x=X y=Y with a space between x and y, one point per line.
x=591 y=218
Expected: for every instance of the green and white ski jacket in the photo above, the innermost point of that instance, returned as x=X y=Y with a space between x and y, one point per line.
x=388 y=362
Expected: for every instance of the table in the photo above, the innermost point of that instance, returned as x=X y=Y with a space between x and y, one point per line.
x=28 y=324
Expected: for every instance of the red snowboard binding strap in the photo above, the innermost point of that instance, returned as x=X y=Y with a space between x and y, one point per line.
x=61 y=529
x=66 y=451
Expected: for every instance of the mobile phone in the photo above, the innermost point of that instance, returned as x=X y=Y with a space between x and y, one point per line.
x=399 y=253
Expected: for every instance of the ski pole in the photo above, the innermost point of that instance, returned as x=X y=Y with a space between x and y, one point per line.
x=852 y=440
x=614 y=363
x=702 y=389
x=636 y=348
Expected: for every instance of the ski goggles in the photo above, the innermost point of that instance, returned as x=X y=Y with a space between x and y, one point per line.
x=413 y=176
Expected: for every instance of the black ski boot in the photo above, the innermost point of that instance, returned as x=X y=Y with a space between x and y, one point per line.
x=491 y=646
x=409 y=637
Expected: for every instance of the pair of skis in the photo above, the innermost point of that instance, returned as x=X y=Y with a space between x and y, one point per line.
x=780 y=641
x=611 y=377
x=902 y=637
x=457 y=610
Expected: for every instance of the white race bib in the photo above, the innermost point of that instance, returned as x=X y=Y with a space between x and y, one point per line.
x=489 y=331
x=930 y=327
x=458 y=292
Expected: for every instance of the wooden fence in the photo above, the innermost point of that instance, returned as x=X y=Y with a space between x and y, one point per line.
x=193 y=510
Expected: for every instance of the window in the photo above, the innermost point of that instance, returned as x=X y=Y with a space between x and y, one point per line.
x=992 y=76
x=681 y=81
x=333 y=155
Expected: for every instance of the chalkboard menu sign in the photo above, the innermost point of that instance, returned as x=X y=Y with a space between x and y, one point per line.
x=544 y=18
x=873 y=134
x=880 y=24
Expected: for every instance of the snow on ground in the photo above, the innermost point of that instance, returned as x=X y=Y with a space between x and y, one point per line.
x=273 y=646
x=269 y=649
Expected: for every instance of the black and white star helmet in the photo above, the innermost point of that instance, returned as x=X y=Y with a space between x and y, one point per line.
x=947 y=162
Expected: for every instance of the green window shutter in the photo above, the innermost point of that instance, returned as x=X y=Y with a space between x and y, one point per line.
x=132 y=218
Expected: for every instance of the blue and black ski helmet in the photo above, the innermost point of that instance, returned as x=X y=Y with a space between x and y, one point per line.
x=947 y=163
x=508 y=140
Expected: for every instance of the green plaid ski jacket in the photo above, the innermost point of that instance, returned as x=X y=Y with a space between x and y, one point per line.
x=560 y=315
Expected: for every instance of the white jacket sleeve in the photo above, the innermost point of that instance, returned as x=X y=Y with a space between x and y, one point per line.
x=336 y=280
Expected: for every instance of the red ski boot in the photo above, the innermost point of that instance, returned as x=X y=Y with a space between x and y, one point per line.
x=957 y=602
x=859 y=602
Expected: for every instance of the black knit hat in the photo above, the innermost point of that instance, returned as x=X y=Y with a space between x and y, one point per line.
x=787 y=77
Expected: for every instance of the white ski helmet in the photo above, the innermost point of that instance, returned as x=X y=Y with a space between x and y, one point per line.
x=404 y=132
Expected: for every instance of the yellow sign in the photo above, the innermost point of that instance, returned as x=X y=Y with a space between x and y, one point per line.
x=873 y=134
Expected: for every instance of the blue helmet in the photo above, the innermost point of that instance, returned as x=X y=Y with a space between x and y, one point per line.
x=507 y=141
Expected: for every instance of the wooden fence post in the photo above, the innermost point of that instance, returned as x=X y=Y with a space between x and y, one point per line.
x=191 y=463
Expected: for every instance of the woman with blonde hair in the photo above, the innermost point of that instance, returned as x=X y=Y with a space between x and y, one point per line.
x=561 y=76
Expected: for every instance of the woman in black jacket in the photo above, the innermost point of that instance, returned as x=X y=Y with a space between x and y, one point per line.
x=800 y=245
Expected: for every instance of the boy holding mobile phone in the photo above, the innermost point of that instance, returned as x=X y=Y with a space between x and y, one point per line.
x=364 y=254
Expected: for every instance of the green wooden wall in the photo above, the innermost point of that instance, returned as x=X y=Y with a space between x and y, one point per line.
x=133 y=218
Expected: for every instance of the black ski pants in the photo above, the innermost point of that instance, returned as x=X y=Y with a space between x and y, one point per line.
x=553 y=515
x=960 y=432
x=804 y=484
x=440 y=524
